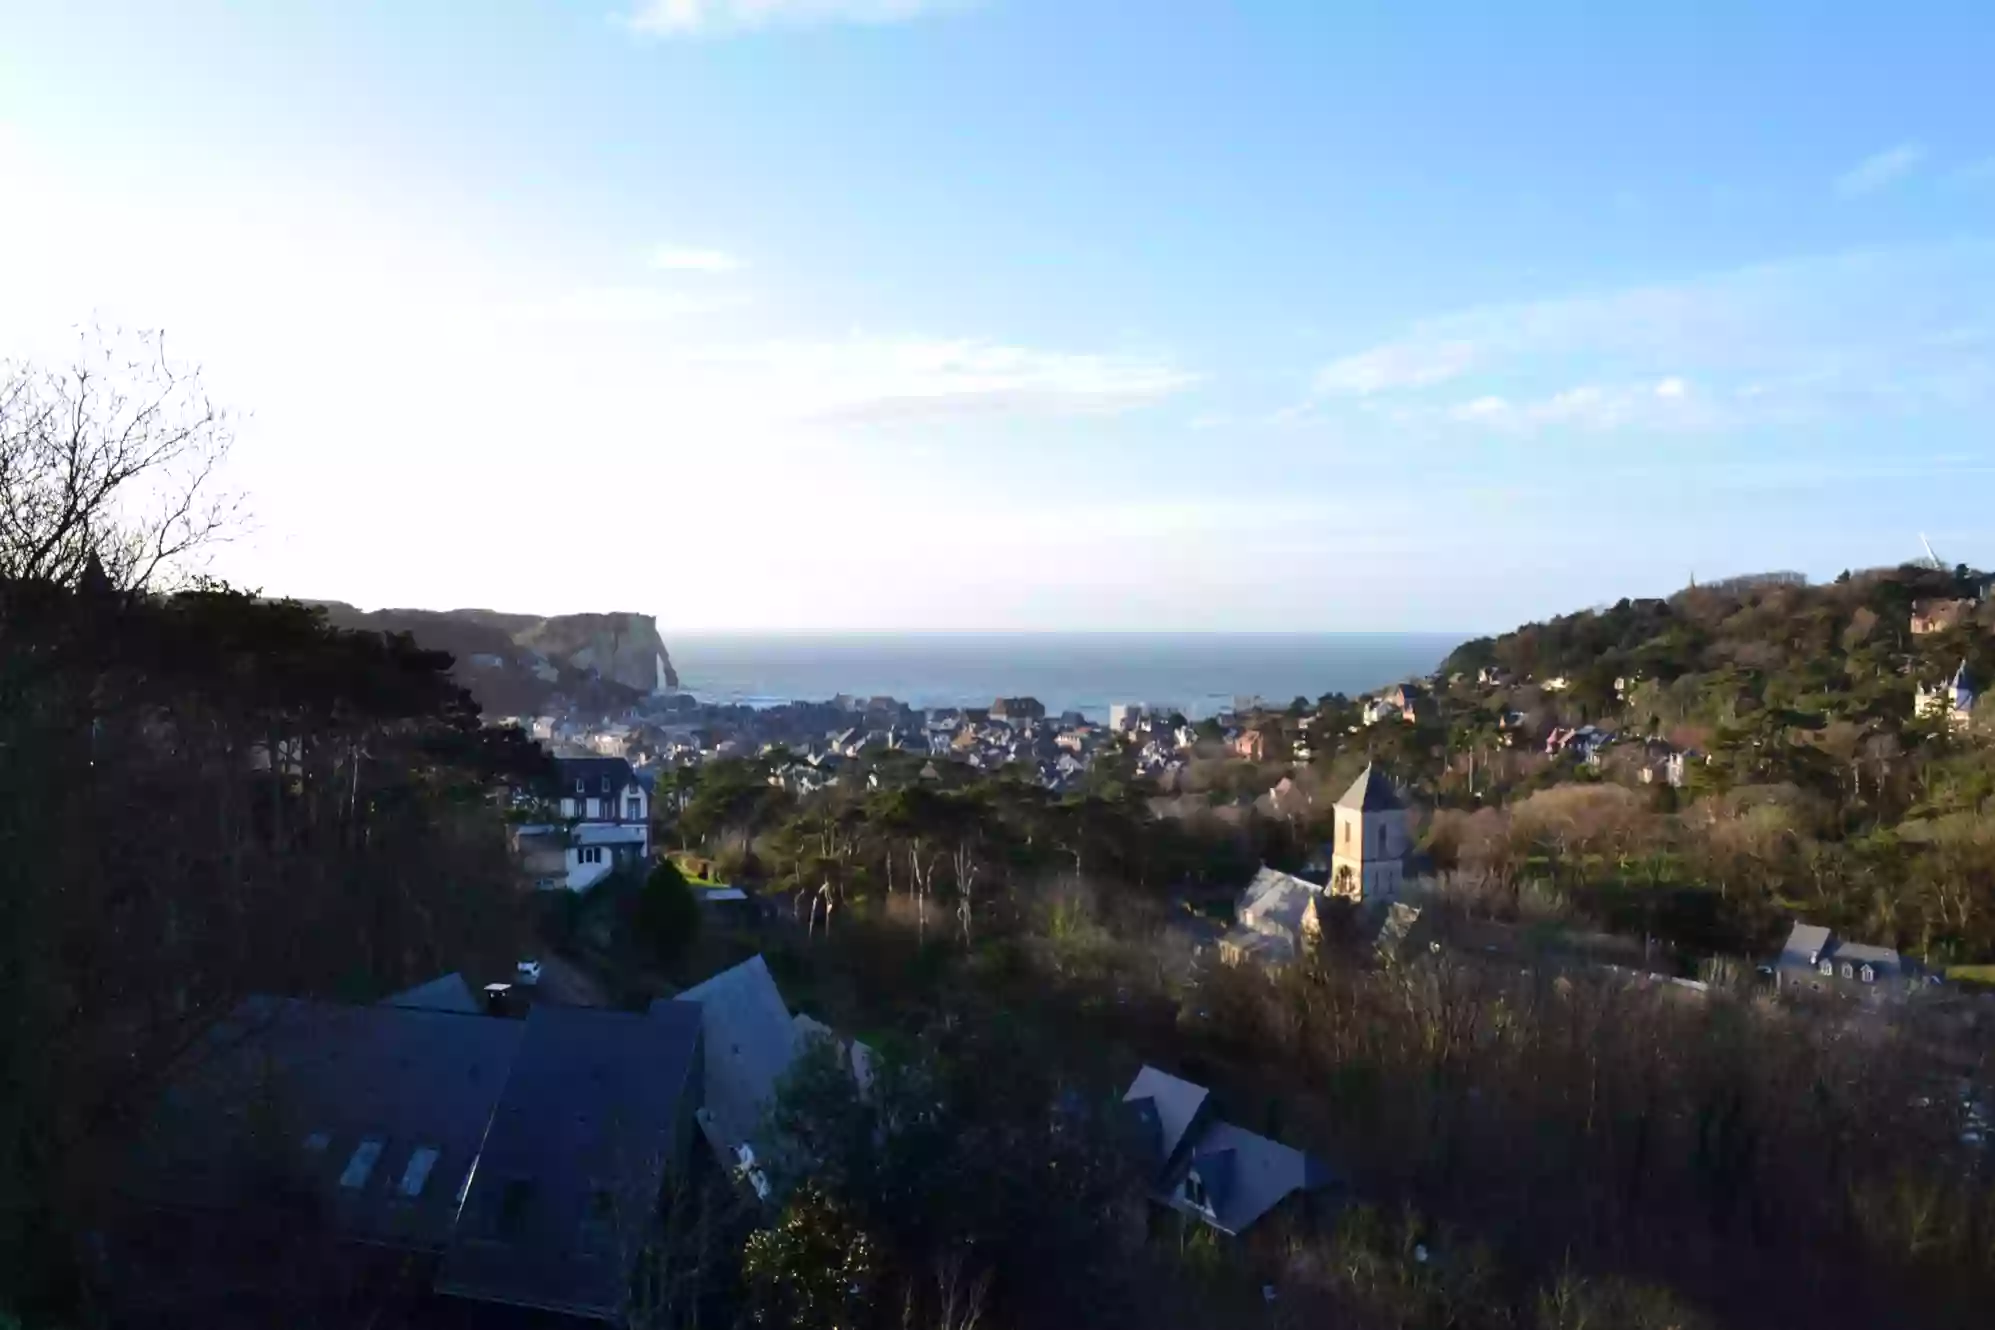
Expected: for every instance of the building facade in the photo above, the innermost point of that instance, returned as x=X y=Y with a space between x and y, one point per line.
x=1369 y=840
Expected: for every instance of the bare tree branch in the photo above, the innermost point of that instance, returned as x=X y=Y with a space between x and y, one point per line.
x=111 y=458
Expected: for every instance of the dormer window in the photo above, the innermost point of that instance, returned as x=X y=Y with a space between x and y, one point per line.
x=1195 y=1191
x=580 y=785
x=1869 y=975
x=1849 y=971
x=1828 y=969
x=606 y=785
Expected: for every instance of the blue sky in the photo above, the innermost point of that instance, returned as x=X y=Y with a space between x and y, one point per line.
x=1036 y=314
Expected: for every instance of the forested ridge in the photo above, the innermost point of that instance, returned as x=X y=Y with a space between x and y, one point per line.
x=1811 y=785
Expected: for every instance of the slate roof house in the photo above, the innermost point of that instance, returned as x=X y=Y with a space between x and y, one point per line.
x=610 y=805
x=1224 y=1175
x=1276 y=920
x=448 y=1152
x=1814 y=959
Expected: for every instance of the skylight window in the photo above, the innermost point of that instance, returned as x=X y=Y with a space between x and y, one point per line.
x=417 y=1173
x=361 y=1164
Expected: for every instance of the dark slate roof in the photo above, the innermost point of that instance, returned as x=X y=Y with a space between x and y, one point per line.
x=1371 y=792
x=750 y=1042
x=286 y=1101
x=590 y=771
x=572 y=1167
x=450 y=993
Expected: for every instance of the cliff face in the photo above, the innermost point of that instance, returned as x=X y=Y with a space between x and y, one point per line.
x=513 y=663
x=623 y=647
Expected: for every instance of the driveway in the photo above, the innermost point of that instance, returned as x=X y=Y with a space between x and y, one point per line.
x=564 y=982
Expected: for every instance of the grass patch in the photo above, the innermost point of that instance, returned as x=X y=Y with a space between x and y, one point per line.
x=1972 y=974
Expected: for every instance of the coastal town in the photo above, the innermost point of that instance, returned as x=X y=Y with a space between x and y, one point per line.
x=814 y=742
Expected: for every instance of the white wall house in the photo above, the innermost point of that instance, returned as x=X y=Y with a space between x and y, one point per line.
x=607 y=812
x=597 y=849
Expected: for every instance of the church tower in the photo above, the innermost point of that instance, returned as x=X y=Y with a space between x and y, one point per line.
x=1369 y=841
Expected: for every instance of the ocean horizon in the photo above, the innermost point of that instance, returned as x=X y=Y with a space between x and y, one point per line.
x=1198 y=673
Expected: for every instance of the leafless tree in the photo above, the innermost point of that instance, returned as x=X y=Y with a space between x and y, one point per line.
x=111 y=457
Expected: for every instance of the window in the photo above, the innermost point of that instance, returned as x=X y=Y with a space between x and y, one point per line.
x=606 y=784
x=421 y=1160
x=1828 y=968
x=633 y=809
x=1381 y=839
x=581 y=786
x=1849 y=971
x=1869 y=975
x=589 y=854
x=361 y=1164
x=1347 y=833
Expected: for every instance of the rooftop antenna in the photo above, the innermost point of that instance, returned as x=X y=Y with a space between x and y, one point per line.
x=1931 y=557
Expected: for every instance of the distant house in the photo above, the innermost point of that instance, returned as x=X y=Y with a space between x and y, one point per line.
x=1251 y=745
x=1492 y=676
x=1376 y=709
x=1289 y=799
x=1276 y=920
x=1013 y=710
x=1213 y=1171
x=442 y=1151
x=602 y=789
x=1939 y=614
x=1410 y=700
x=1952 y=701
x=1558 y=683
x=1815 y=959
x=1369 y=840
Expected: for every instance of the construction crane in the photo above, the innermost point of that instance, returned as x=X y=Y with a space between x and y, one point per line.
x=1931 y=557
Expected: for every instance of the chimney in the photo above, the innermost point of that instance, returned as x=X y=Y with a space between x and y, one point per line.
x=499 y=1000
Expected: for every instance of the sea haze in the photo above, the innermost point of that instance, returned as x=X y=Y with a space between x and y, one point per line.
x=1200 y=673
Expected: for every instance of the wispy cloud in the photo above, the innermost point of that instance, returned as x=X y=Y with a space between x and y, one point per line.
x=1591 y=406
x=688 y=258
x=710 y=18
x=1880 y=169
x=1411 y=364
x=886 y=381
x=1830 y=337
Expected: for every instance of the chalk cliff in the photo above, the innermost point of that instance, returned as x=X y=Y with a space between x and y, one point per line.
x=513 y=662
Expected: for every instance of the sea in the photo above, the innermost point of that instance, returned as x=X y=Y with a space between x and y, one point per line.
x=1199 y=674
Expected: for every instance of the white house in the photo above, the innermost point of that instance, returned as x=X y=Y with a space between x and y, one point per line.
x=602 y=789
x=609 y=809
x=597 y=849
x=1953 y=700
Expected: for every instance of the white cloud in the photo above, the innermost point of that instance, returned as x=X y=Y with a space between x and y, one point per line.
x=701 y=18
x=1482 y=408
x=1880 y=169
x=685 y=258
x=1832 y=337
x=1412 y=364
x=887 y=380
